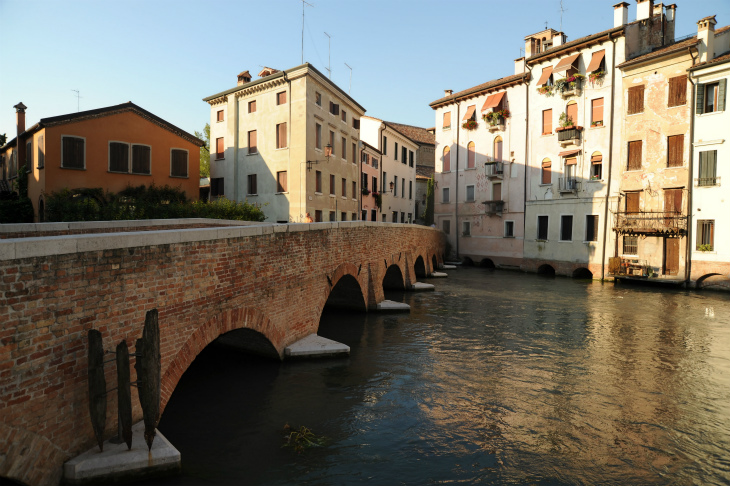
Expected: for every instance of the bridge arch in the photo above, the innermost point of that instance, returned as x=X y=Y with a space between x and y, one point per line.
x=419 y=267
x=700 y=281
x=346 y=288
x=394 y=278
x=582 y=273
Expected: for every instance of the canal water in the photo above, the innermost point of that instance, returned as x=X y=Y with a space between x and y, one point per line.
x=494 y=378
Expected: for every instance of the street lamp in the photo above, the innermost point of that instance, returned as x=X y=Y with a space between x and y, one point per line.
x=392 y=185
x=327 y=154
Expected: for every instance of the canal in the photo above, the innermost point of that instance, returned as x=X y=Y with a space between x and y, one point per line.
x=494 y=378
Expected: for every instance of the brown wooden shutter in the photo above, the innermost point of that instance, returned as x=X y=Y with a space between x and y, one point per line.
x=677 y=91
x=671 y=256
x=447 y=120
x=673 y=200
x=252 y=106
x=632 y=202
x=282 y=135
x=219 y=148
x=675 y=151
x=252 y=148
x=447 y=160
x=220 y=115
x=547 y=122
x=497 y=192
x=636 y=99
x=546 y=172
x=597 y=110
x=634 y=162
x=571 y=111
x=281 y=181
x=281 y=98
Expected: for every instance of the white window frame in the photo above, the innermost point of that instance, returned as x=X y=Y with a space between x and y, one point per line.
x=73 y=136
x=598 y=229
x=109 y=157
x=513 y=229
x=473 y=193
x=187 y=168
x=445 y=191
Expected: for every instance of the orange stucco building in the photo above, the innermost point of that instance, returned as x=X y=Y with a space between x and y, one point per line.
x=108 y=148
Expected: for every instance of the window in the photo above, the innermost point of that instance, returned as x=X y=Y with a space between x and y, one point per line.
x=333 y=216
x=216 y=186
x=332 y=143
x=410 y=158
x=711 y=97
x=498 y=148
x=566 y=228
x=706 y=234
x=445 y=195
x=219 y=117
x=447 y=120
x=344 y=116
x=343 y=216
x=636 y=100
x=677 y=91
x=364 y=183
x=410 y=189
x=354 y=153
x=385 y=178
x=318 y=216
x=385 y=145
x=344 y=148
x=375 y=184
x=252 y=148
x=497 y=191
x=447 y=160
x=404 y=155
x=178 y=163
x=402 y=217
x=41 y=152
x=571 y=112
x=281 y=141
x=318 y=98
x=219 y=150
x=318 y=182
x=542 y=227
x=334 y=108
x=29 y=156
x=252 y=106
x=403 y=187
x=354 y=216
x=373 y=215
x=395 y=186
x=592 y=227
x=630 y=245
x=354 y=189
x=118 y=157
x=469 y=193
x=332 y=184
x=470 y=155
x=356 y=124
x=73 y=152
x=466 y=228
x=509 y=229
x=318 y=136
x=634 y=162
x=596 y=167
x=546 y=172
x=597 y=112
x=708 y=169
x=374 y=161
x=633 y=202
x=547 y=122
x=675 y=151
x=344 y=187
x=141 y=159
x=395 y=152
x=447 y=226
x=281 y=181
x=673 y=201
x=281 y=98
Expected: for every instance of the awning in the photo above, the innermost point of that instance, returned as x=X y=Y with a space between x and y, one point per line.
x=493 y=101
x=571 y=161
x=596 y=60
x=568 y=153
x=565 y=63
x=546 y=72
x=597 y=159
x=470 y=112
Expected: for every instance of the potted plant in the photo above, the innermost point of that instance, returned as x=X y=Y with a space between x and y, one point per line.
x=545 y=90
x=560 y=84
x=704 y=247
x=575 y=81
x=469 y=125
x=596 y=76
x=598 y=123
x=495 y=118
x=565 y=122
x=365 y=191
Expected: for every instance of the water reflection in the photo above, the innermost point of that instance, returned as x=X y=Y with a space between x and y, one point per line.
x=494 y=378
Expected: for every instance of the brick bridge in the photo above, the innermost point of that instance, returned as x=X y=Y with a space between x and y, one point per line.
x=266 y=285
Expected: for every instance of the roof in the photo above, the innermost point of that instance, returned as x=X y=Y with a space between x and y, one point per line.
x=479 y=89
x=280 y=74
x=419 y=135
x=374 y=149
x=723 y=58
x=424 y=171
x=574 y=43
x=108 y=111
x=667 y=50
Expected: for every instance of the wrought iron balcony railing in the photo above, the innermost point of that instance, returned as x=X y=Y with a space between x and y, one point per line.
x=707 y=181
x=651 y=222
x=570 y=134
x=568 y=184
x=494 y=207
x=494 y=169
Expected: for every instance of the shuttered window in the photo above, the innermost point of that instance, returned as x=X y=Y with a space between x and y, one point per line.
x=318 y=136
x=141 y=159
x=445 y=195
x=332 y=184
x=354 y=153
x=334 y=108
x=219 y=149
x=636 y=100
x=281 y=181
x=675 y=151
x=471 y=155
x=597 y=112
x=546 y=172
x=677 y=91
x=73 y=153
x=344 y=148
x=219 y=116
x=673 y=200
x=711 y=97
x=252 y=142
x=118 y=157
x=252 y=106
x=354 y=190
x=498 y=148
x=592 y=227
x=447 y=159
x=571 y=112
x=179 y=163
x=708 y=169
x=41 y=153
x=281 y=98
x=632 y=201
x=634 y=162
x=252 y=185
x=447 y=120
x=281 y=140
x=706 y=234
x=344 y=187
x=497 y=192
x=318 y=182
x=547 y=122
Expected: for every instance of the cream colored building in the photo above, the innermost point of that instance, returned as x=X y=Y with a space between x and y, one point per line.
x=270 y=145
x=370 y=183
x=397 y=169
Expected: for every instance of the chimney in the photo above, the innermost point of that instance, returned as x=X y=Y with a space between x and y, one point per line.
x=658 y=9
x=448 y=92
x=644 y=9
x=620 y=14
x=706 y=35
x=670 y=12
x=20 y=117
x=520 y=65
x=558 y=39
x=244 y=77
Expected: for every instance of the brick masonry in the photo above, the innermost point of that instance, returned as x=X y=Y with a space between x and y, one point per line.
x=275 y=283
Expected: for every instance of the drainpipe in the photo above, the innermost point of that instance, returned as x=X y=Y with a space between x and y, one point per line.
x=236 y=101
x=456 y=195
x=527 y=157
x=688 y=254
x=288 y=144
x=610 y=157
x=382 y=181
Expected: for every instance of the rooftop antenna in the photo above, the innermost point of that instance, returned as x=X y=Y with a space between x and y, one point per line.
x=78 y=96
x=303 y=5
x=561 y=15
x=350 y=88
x=329 y=54
x=546 y=25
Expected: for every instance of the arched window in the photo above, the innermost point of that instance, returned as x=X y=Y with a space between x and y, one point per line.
x=471 y=156
x=498 y=149
x=546 y=168
x=571 y=112
x=447 y=159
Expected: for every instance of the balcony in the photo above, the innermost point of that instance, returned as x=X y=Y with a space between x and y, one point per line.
x=651 y=223
x=568 y=185
x=497 y=126
x=494 y=170
x=569 y=135
x=494 y=207
x=570 y=88
x=707 y=182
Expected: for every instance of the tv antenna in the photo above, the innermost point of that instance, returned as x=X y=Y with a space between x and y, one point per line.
x=329 y=54
x=350 y=88
x=561 y=14
x=304 y=3
x=78 y=97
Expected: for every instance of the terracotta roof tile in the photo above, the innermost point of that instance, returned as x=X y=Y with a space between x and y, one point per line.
x=661 y=51
x=424 y=171
x=417 y=134
x=718 y=60
x=482 y=87
x=568 y=45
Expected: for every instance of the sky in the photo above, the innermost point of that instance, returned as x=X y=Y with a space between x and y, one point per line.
x=166 y=55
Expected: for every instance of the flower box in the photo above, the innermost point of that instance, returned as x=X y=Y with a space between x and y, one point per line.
x=469 y=125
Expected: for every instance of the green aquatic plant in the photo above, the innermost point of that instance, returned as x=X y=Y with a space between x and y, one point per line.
x=301 y=438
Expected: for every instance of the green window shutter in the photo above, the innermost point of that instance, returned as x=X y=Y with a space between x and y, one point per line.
x=700 y=98
x=712 y=163
x=721 y=95
x=703 y=165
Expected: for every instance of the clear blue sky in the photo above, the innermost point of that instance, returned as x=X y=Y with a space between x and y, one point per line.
x=166 y=55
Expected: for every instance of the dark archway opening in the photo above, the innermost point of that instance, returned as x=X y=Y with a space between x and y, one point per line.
x=487 y=263
x=583 y=274
x=248 y=341
x=9 y=482
x=708 y=280
x=434 y=263
x=546 y=270
x=467 y=262
x=346 y=295
x=393 y=279
x=420 y=267
x=41 y=211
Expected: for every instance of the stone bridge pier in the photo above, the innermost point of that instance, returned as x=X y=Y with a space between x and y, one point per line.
x=262 y=285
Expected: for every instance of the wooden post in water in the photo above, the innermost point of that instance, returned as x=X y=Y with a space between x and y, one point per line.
x=148 y=366
x=124 y=394
x=97 y=386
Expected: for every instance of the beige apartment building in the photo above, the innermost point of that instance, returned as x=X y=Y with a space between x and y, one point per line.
x=289 y=141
